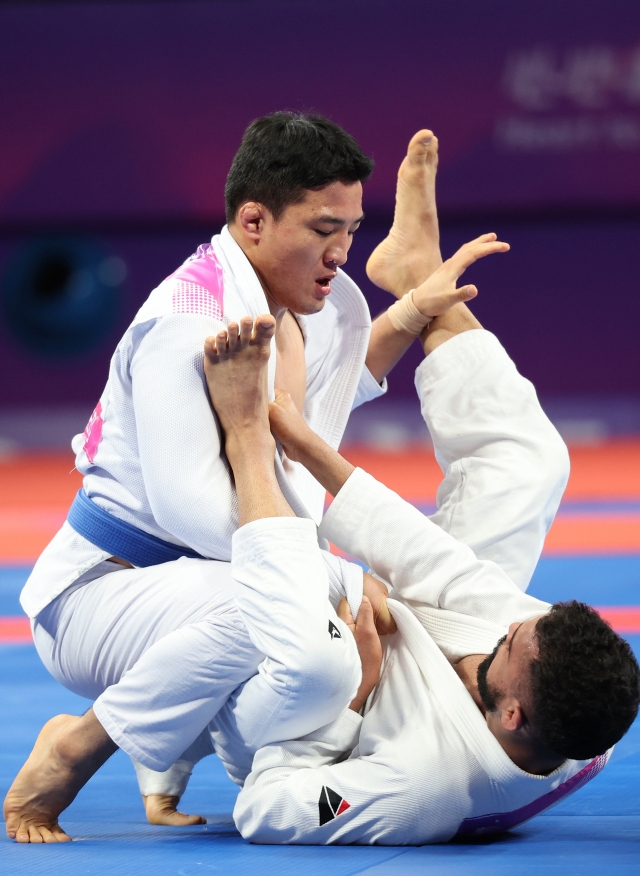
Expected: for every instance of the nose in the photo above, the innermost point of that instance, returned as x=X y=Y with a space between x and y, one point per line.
x=336 y=253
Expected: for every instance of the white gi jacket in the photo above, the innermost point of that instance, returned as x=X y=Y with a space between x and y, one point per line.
x=151 y=451
x=422 y=766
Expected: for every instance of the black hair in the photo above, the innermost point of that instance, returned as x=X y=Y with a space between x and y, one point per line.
x=585 y=682
x=284 y=154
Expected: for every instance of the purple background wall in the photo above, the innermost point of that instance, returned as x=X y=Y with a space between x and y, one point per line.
x=120 y=120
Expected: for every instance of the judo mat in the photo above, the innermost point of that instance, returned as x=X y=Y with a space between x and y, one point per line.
x=592 y=553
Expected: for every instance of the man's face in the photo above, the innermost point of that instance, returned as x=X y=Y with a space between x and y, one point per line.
x=297 y=256
x=506 y=670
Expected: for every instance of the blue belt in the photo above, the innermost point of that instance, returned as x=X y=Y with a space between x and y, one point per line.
x=121 y=539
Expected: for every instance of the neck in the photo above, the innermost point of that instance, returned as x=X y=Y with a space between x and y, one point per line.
x=526 y=753
x=275 y=309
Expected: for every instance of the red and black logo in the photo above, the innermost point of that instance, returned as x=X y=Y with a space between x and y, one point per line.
x=331 y=805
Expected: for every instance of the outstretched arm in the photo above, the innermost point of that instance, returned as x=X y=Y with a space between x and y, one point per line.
x=424 y=564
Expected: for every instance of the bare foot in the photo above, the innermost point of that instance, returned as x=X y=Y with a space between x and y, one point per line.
x=67 y=753
x=163 y=809
x=235 y=368
x=411 y=251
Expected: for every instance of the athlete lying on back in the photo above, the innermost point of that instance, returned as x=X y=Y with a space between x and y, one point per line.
x=490 y=705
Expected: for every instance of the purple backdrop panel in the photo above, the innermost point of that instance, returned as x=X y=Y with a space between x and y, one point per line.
x=135 y=109
x=562 y=301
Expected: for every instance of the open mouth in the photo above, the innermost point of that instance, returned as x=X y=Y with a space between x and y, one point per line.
x=323 y=284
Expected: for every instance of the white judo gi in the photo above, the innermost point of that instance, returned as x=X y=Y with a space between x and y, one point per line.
x=422 y=766
x=150 y=454
x=151 y=457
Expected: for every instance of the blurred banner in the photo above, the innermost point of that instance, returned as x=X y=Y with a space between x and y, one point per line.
x=134 y=110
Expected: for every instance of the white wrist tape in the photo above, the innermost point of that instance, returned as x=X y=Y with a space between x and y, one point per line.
x=405 y=316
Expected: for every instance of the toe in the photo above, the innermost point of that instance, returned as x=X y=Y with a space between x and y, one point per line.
x=221 y=342
x=34 y=834
x=59 y=835
x=419 y=145
x=246 y=327
x=233 y=332
x=192 y=819
x=210 y=349
x=265 y=328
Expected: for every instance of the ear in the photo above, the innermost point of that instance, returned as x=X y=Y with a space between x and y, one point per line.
x=250 y=220
x=512 y=716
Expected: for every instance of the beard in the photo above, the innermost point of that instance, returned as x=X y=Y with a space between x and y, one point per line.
x=489 y=694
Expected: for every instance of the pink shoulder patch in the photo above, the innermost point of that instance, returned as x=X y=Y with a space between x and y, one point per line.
x=199 y=285
x=93 y=433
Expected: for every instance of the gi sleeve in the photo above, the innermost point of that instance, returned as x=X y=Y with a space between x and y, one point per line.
x=186 y=478
x=368 y=388
x=423 y=564
x=305 y=792
x=345 y=580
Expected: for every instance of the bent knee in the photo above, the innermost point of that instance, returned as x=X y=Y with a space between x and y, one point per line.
x=331 y=671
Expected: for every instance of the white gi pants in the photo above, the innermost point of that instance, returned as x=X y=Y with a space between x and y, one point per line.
x=163 y=648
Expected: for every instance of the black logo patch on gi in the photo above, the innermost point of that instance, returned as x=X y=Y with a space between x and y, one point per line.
x=334 y=632
x=331 y=805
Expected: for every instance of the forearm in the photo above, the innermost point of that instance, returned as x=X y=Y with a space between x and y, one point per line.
x=387 y=346
x=323 y=462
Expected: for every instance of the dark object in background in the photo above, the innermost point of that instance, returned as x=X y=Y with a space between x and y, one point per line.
x=60 y=294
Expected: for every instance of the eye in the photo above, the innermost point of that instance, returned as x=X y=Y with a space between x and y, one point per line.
x=322 y=233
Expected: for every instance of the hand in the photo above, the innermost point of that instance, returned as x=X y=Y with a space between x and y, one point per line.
x=288 y=425
x=369 y=648
x=438 y=293
x=378 y=593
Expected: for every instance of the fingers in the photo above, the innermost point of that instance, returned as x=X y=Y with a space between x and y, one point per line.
x=367 y=638
x=344 y=613
x=482 y=246
x=366 y=621
x=466 y=293
x=385 y=624
x=281 y=395
x=378 y=594
x=282 y=405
